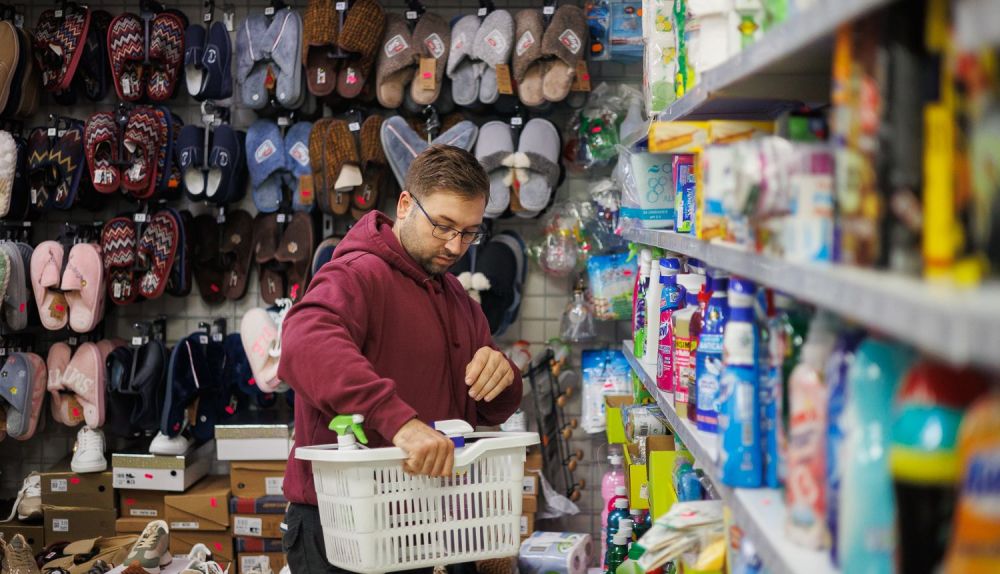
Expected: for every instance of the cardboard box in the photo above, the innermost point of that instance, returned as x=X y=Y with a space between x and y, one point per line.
x=255 y=440
x=73 y=523
x=257 y=479
x=246 y=561
x=143 y=471
x=258 y=525
x=33 y=533
x=63 y=487
x=204 y=507
x=146 y=504
x=533 y=461
x=527 y=524
x=615 y=424
x=262 y=505
x=637 y=475
x=660 y=462
x=530 y=485
x=529 y=504
x=220 y=543
x=130 y=525
x=247 y=545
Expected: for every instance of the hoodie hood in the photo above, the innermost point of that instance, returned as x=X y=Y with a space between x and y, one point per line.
x=373 y=234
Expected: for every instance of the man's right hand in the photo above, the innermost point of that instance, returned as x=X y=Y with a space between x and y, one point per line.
x=429 y=452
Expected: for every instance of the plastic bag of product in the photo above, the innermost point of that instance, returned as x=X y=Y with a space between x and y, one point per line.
x=602 y=228
x=605 y=372
x=648 y=189
x=611 y=279
x=558 y=252
x=578 y=319
x=660 y=56
x=593 y=133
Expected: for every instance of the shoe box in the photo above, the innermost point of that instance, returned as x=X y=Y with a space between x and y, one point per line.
x=254 y=479
x=140 y=470
x=75 y=523
x=141 y=504
x=258 y=525
x=260 y=440
x=220 y=543
x=248 y=560
x=63 y=487
x=203 y=507
x=33 y=533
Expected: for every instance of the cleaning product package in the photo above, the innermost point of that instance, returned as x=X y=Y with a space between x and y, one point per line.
x=647 y=189
x=684 y=194
x=863 y=530
x=740 y=455
x=650 y=355
x=612 y=279
x=605 y=372
x=626 y=34
x=786 y=335
x=687 y=328
x=670 y=296
x=708 y=364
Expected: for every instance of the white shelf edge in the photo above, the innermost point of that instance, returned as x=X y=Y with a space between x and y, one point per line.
x=780 y=42
x=760 y=512
x=958 y=325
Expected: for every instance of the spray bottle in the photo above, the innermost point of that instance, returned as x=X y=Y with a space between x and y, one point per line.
x=708 y=367
x=739 y=393
x=639 y=312
x=669 y=302
x=349 y=431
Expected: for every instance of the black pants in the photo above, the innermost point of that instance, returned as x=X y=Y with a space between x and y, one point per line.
x=306 y=552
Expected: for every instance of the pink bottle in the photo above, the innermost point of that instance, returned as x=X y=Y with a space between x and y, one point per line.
x=612 y=488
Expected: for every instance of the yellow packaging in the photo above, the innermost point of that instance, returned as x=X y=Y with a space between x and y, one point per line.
x=975 y=543
x=678 y=137
x=723 y=132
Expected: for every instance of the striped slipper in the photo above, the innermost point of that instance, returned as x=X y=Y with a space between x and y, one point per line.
x=118 y=244
x=68 y=160
x=59 y=42
x=157 y=249
x=166 y=54
x=144 y=134
x=126 y=50
x=101 y=148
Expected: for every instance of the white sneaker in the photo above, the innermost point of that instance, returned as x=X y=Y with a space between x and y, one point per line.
x=29 y=499
x=201 y=567
x=164 y=445
x=285 y=570
x=199 y=552
x=89 y=451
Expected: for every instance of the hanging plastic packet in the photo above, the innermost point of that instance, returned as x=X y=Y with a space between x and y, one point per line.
x=578 y=319
x=611 y=279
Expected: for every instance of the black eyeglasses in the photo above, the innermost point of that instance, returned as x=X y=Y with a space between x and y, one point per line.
x=445 y=233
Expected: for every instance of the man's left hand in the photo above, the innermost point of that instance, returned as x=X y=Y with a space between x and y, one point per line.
x=488 y=374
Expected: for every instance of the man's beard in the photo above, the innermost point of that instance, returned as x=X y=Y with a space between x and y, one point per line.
x=426 y=261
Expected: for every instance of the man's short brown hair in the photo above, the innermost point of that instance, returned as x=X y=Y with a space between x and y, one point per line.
x=447 y=168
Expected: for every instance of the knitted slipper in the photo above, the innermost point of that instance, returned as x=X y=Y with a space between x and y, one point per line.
x=341 y=161
x=564 y=40
x=68 y=159
x=60 y=41
x=362 y=33
x=101 y=148
x=169 y=172
x=396 y=64
x=41 y=172
x=464 y=68
x=493 y=45
x=166 y=55
x=373 y=165
x=317 y=143
x=431 y=39
x=126 y=49
x=32 y=79
x=529 y=63
x=206 y=259
x=157 y=249
x=299 y=176
x=237 y=251
x=319 y=36
x=118 y=245
x=296 y=249
x=15 y=304
x=179 y=283
x=143 y=137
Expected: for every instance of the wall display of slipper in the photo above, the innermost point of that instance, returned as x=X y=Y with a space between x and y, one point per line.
x=83 y=286
x=144 y=135
x=341 y=167
x=127 y=52
x=295 y=250
x=101 y=137
x=268 y=60
x=68 y=164
x=226 y=179
x=8 y=170
x=298 y=162
x=76 y=384
x=23 y=393
x=18 y=202
x=464 y=68
x=266 y=162
x=208 y=61
x=529 y=61
x=118 y=247
x=179 y=282
x=396 y=63
x=374 y=166
x=93 y=77
x=321 y=28
x=564 y=44
x=40 y=170
x=155 y=252
x=493 y=44
x=260 y=331
x=135 y=387
x=271 y=274
x=495 y=150
x=535 y=167
x=401 y=144
x=46 y=277
x=17 y=301
x=360 y=37
x=194 y=375
x=59 y=42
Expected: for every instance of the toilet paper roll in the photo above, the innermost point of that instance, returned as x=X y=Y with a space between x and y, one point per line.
x=555 y=553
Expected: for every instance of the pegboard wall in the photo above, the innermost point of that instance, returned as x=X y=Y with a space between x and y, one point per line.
x=544 y=297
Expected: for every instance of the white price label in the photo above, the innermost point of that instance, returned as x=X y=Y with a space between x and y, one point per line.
x=482 y=12
x=354 y=126
x=230 y=21
x=143 y=512
x=58 y=485
x=283 y=121
x=72 y=341
x=58 y=14
x=524 y=525
x=412 y=15
x=19 y=20
x=51 y=132
x=203 y=339
x=26 y=224
x=644 y=491
x=185 y=525
x=221 y=218
x=208 y=118
x=549 y=10
x=140 y=217
x=207 y=17
x=341 y=6
x=248 y=526
x=273 y=485
x=269 y=11
x=124 y=479
x=516 y=121
x=60 y=525
x=137 y=341
x=248 y=563
x=282 y=218
x=217 y=337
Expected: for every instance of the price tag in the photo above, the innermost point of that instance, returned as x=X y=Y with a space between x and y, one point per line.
x=72 y=341
x=581 y=79
x=27 y=224
x=221 y=218
x=283 y=121
x=282 y=218
x=217 y=337
x=58 y=14
x=143 y=512
x=185 y=525
x=19 y=20
x=354 y=126
x=60 y=524
x=139 y=341
x=203 y=339
x=248 y=526
x=140 y=217
x=341 y=6
x=58 y=485
x=3 y=352
x=269 y=11
x=428 y=67
x=51 y=132
x=273 y=485
x=412 y=15
x=504 y=83
x=207 y=17
x=516 y=121
x=229 y=19
x=482 y=12
x=549 y=10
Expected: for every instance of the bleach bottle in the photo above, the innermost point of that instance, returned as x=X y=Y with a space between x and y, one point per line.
x=708 y=364
x=349 y=431
x=740 y=455
x=670 y=297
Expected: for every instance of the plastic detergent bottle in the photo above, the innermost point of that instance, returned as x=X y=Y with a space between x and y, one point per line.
x=631 y=565
x=612 y=487
x=639 y=303
x=740 y=457
x=618 y=552
x=614 y=518
x=670 y=296
x=786 y=335
x=923 y=460
x=650 y=356
x=687 y=327
x=708 y=362
x=975 y=542
x=836 y=381
x=349 y=431
x=865 y=520
x=805 y=493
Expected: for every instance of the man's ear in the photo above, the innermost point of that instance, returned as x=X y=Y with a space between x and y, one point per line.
x=403 y=205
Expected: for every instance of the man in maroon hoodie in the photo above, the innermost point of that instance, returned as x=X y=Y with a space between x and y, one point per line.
x=385 y=332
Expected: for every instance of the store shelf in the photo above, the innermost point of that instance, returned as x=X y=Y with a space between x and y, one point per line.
x=958 y=325
x=788 y=66
x=759 y=512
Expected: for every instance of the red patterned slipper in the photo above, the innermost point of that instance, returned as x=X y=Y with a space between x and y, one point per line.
x=143 y=137
x=101 y=147
x=126 y=50
x=157 y=249
x=166 y=52
x=59 y=44
x=118 y=244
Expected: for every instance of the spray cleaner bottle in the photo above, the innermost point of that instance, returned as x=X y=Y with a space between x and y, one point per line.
x=708 y=368
x=349 y=431
x=670 y=297
x=639 y=310
x=650 y=356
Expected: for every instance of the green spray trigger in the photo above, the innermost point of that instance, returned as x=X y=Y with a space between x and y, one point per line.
x=344 y=423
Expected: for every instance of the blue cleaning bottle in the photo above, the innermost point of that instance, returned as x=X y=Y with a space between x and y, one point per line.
x=866 y=523
x=708 y=366
x=614 y=518
x=740 y=454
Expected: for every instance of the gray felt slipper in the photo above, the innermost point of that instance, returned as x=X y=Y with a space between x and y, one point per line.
x=464 y=68
x=494 y=150
x=536 y=164
x=493 y=45
x=401 y=144
x=529 y=63
x=252 y=46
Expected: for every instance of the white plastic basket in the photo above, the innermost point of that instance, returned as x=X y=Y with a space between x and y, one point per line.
x=376 y=518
